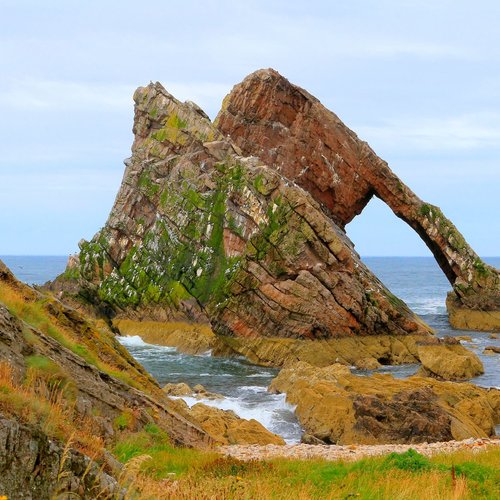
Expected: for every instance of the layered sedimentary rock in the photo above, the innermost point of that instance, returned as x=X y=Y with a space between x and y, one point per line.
x=201 y=229
x=293 y=132
x=448 y=361
x=338 y=407
x=33 y=466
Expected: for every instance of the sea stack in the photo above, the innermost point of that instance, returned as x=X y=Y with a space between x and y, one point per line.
x=242 y=223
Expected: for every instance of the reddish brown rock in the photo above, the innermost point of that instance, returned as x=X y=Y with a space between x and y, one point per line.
x=196 y=226
x=293 y=132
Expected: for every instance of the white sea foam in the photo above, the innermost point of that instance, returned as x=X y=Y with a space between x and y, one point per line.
x=131 y=341
x=205 y=354
x=428 y=305
x=253 y=388
x=136 y=341
x=270 y=413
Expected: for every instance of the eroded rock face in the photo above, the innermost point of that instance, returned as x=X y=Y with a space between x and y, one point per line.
x=293 y=132
x=337 y=407
x=98 y=395
x=199 y=230
x=34 y=467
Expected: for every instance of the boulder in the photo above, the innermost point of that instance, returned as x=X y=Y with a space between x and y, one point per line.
x=198 y=391
x=180 y=389
x=226 y=427
x=338 y=407
x=491 y=349
x=449 y=362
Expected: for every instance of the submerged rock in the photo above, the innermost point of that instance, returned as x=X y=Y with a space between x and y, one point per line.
x=340 y=408
x=491 y=349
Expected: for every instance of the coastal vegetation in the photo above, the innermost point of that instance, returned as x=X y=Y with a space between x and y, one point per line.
x=154 y=468
x=166 y=472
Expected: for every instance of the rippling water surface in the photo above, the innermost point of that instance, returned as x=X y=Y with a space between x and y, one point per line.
x=416 y=280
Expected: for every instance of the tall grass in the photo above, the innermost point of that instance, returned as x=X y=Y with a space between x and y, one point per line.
x=170 y=472
x=95 y=346
x=37 y=401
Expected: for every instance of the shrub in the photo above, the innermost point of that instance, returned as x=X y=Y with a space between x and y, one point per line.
x=409 y=460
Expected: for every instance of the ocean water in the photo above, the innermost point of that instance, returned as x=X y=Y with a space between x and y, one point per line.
x=416 y=280
x=33 y=269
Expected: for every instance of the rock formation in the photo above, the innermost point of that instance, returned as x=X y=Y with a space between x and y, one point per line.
x=199 y=229
x=105 y=380
x=227 y=427
x=337 y=407
x=293 y=132
x=68 y=390
x=34 y=467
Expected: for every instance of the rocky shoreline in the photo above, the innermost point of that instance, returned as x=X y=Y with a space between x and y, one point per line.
x=351 y=452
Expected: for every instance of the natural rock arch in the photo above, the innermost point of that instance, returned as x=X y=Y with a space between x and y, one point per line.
x=291 y=130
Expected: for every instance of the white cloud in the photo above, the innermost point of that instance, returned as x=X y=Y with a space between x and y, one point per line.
x=76 y=181
x=463 y=132
x=46 y=95
x=64 y=95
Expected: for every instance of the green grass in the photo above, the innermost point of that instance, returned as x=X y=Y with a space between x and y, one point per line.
x=408 y=475
x=165 y=458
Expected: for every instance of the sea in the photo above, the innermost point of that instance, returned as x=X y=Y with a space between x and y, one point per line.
x=417 y=280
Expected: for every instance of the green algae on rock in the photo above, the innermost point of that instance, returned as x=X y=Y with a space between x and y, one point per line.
x=200 y=232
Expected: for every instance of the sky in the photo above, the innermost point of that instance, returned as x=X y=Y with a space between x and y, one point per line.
x=419 y=80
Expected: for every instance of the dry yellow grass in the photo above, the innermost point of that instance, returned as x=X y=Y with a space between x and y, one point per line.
x=95 y=344
x=36 y=402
